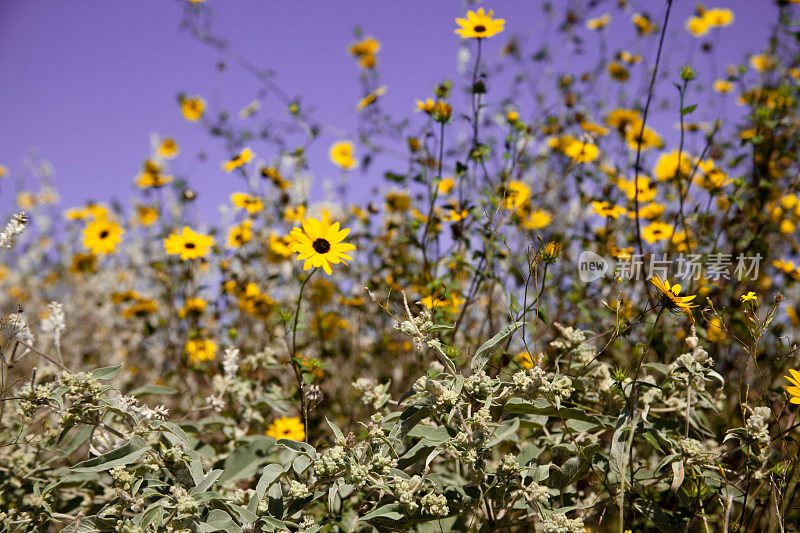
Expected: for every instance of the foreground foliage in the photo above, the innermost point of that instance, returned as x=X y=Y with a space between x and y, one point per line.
x=434 y=359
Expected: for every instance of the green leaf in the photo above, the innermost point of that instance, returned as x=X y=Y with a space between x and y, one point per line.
x=336 y=431
x=619 y=442
x=274 y=523
x=574 y=469
x=666 y=522
x=244 y=462
x=124 y=455
x=107 y=372
x=688 y=109
x=542 y=407
x=386 y=512
x=154 y=390
x=207 y=482
x=219 y=520
x=488 y=348
x=269 y=475
x=84 y=526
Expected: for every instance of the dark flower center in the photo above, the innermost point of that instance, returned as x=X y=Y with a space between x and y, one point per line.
x=321 y=246
x=189 y=245
x=480 y=28
x=104 y=234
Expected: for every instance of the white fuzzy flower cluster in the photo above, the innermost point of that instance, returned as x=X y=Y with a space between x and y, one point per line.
x=230 y=366
x=306 y=524
x=573 y=343
x=418 y=327
x=371 y=392
x=18 y=322
x=757 y=425
x=230 y=362
x=185 y=505
x=696 y=361
x=298 y=490
x=509 y=467
x=32 y=397
x=559 y=523
x=330 y=462
x=434 y=504
x=14 y=227
x=478 y=385
x=535 y=381
x=55 y=323
x=405 y=490
x=537 y=493
x=121 y=477
x=442 y=395
x=692 y=447
x=132 y=405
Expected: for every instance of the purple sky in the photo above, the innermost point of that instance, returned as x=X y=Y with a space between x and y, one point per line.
x=87 y=81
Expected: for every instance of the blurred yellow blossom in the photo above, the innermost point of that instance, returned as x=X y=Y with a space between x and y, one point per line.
x=240 y=234
x=341 y=153
x=253 y=204
x=365 y=51
x=599 y=22
x=168 y=148
x=290 y=428
x=657 y=231
x=245 y=156
x=102 y=236
x=200 y=350
x=516 y=195
x=192 y=107
x=188 y=244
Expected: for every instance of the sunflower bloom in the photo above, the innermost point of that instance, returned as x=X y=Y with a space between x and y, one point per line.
x=794 y=388
x=371 y=98
x=538 y=219
x=192 y=307
x=290 y=428
x=253 y=204
x=516 y=195
x=581 y=152
x=188 y=244
x=657 y=231
x=644 y=26
x=200 y=350
x=146 y=215
x=605 y=210
x=141 y=309
x=81 y=264
x=240 y=234
x=365 y=51
x=671 y=299
x=319 y=243
x=748 y=297
x=341 y=153
x=598 y=23
x=718 y=17
x=102 y=236
x=479 y=25
x=168 y=148
x=245 y=156
x=696 y=26
x=192 y=108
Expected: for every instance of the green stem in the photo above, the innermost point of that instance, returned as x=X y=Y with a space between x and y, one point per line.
x=631 y=409
x=298 y=371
